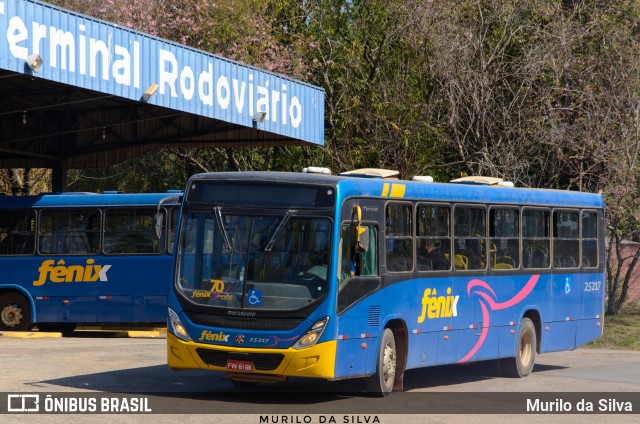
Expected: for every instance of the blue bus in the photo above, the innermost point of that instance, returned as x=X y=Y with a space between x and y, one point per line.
x=363 y=275
x=85 y=258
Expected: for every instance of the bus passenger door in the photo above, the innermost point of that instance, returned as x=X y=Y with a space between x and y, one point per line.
x=358 y=277
x=565 y=295
x=136 y=291
x=592 y=283
x=358 y=328
x=115 y=297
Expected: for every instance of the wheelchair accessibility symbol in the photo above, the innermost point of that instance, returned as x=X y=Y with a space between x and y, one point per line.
x=255 y=297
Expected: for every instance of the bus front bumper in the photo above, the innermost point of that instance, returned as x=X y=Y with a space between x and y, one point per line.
x=316 y=361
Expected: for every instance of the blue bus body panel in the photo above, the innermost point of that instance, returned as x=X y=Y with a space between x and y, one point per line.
x=476 y=320
x=135 y=289
x=64 y=200
x=569 y=314
x=448 y=192
x=482 y=325
x=97 y=288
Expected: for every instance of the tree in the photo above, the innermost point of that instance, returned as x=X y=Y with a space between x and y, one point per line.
x=25 y=181
x=541 y=92
x=545 y=94
x=375 y=65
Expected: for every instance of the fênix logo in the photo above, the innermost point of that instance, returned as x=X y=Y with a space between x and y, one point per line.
x=217 y=337
x=60 y=273
x=434 y=306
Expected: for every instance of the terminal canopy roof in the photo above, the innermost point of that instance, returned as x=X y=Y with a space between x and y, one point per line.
x=77 y=92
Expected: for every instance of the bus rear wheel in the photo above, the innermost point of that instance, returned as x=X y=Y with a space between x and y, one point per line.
x=381 y=383
x=522 y=364
x=15 y=313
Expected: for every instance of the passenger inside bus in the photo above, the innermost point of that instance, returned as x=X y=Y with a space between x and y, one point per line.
x=432 y=257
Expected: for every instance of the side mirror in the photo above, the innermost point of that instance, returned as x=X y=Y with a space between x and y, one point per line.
x=157 y=226
x=158 y=218
x=361 y=243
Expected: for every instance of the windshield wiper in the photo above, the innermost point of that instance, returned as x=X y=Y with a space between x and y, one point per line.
x=223 y=230
x=276 y=233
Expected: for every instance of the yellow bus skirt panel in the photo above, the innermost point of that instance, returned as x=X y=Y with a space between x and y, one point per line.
x=317 y=361
x=178 y=355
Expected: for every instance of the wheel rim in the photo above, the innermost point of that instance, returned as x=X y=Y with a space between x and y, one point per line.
x=525 y=351
x=11 y=315
x=389 y=365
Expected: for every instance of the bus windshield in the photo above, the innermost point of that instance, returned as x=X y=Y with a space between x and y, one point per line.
x=269 y=262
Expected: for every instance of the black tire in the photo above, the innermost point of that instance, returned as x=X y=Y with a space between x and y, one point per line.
x=15 y=312
x=381 y=383
x=522 y=364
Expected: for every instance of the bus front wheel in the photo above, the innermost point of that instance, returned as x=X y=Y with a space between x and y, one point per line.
x=522 y=364
x=381 y=383
x=15 y=314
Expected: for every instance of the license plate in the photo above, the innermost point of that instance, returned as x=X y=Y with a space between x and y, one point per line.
x=239 y=366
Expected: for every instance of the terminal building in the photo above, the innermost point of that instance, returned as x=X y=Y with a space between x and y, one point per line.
x=78 y=92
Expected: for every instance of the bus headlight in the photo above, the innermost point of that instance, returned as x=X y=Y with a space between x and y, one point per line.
x=312 y=336
x=176 y=326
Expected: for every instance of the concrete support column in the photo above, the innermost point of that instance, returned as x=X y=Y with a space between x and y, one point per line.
x=59 y=177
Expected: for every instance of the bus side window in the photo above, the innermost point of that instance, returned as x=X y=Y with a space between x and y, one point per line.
x=399 y=240
x=433 y=238
x=565 y=239
x=17 y=232
x=357 y=267
x=70 y=232
x=131 y=230
x=353 y=263
x=589 y=239
x=367 y=262
x=469 y=233
x=503 y=238
x=535 y=238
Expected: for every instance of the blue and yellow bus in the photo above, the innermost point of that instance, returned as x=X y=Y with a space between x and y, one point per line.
x=85 y=258
x=360 y=275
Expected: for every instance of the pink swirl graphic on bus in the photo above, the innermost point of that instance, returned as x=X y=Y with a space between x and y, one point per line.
x=494 y=306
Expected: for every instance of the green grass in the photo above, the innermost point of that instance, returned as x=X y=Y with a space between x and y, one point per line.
x=621 y=331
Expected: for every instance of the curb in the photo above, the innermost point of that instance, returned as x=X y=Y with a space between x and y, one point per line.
x=156 y=333
x=30 y=335
x=140 y=334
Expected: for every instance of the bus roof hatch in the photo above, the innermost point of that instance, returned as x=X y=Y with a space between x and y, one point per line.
x=372 y=173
